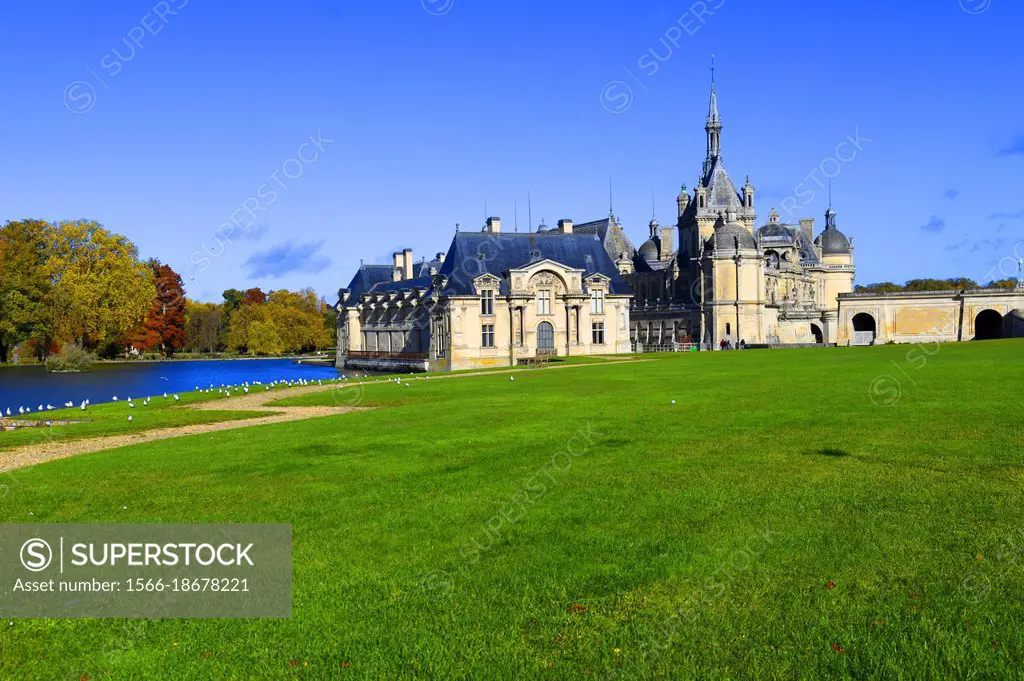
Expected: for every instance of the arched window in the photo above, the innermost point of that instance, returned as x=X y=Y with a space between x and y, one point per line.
x=545 y=336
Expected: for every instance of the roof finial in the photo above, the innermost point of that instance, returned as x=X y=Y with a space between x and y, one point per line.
x=712 y=70
x=830 y=192
x=456 y=228
x=515 y=205
x=653 y=209
x=529 y=208
x=611 y=202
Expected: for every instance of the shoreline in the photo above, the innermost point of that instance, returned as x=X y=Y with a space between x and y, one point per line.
x=172 y=361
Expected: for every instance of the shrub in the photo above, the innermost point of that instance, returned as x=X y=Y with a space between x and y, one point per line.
x=72 y=357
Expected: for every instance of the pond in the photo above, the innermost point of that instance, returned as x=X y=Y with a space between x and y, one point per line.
x=32 y=386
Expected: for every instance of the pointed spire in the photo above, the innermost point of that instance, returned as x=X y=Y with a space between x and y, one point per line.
x=714 y=125
x=611 y=199
x=713 y=104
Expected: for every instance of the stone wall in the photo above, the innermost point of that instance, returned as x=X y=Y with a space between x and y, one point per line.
x=930 y=316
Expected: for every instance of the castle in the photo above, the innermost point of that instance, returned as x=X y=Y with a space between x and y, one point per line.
x=502 y=299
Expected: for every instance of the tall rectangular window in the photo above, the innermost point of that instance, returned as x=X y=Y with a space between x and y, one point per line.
x=597 y=301
x=487 y=302
x=597 y=333
x=543 y=302
x=487 y=339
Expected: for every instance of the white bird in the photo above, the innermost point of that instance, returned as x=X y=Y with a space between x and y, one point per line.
x=176 y=398
x=83 y=406
x=22 y=410
x=511 y=378
x=39 y=408
x=130 y=418
x=131 y=405
x=8 y=411
x=673 y=401
x=115 y=398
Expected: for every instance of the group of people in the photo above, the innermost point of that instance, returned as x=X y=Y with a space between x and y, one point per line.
x=726 y=344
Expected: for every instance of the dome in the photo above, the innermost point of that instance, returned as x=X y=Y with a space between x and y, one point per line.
x=774 y=229
x=649 y=250
x=725 y=238
x=833 y=242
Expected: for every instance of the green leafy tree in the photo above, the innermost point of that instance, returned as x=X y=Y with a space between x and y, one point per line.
x=100 y=287
x=26 y=297
x=264 y=339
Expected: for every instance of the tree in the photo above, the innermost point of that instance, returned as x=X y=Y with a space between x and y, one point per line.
x=164 y=326
x=233 y=299
x=100 y=288
x=264 y=339
x=206 y=323
x=25 y=292
x=254 y=296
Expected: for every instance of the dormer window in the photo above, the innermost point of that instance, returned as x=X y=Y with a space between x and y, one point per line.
x=487 y=302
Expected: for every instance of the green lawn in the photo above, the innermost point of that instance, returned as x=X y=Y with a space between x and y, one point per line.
x=112 y=419
x=801 y=513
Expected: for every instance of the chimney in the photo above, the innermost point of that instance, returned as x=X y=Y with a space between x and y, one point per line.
x=493 y=226
x=565 y=226
x=807 y=226
x=396 y=272
x=407 y=263
x=668 y=247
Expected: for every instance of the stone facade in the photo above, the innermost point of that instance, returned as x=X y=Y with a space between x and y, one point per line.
x=730 y=280
x=930 y=316
x=498 y=299
x=493 y=300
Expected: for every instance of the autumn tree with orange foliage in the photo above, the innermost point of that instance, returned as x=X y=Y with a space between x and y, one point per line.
x=164 y=327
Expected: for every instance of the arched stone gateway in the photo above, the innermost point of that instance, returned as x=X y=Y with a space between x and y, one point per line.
x=864 y=329
x=988 y=325
x=819 y=337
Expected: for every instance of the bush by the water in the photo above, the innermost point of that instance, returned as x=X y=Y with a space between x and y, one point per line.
x=72 y=357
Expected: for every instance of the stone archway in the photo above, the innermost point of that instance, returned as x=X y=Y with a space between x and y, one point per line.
x=865 y=329
x=819 y=337
x=988 y=325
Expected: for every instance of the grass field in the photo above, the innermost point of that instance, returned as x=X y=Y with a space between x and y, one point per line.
x=794 y=514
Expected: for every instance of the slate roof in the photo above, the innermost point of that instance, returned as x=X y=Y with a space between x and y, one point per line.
x=368 y=276
x=422 y=283
x=474 y=253
x=722 y=194
x=726 y=235
x=614 y=239
x=780 y=234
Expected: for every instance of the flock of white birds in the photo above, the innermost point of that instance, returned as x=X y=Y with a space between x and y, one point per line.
x=224 y=390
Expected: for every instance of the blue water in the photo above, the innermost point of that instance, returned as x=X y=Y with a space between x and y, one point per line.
x=32 y=386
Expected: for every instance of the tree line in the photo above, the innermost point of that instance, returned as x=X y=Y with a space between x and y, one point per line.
x=956 y=284
x=76 y=282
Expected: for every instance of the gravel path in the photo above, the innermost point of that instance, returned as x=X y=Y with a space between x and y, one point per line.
x=254 y=401
x=39 y=453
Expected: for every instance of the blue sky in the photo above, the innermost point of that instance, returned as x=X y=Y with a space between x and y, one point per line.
x=165 y=120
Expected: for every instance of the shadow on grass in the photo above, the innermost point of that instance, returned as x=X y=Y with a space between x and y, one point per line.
x=828 y=452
